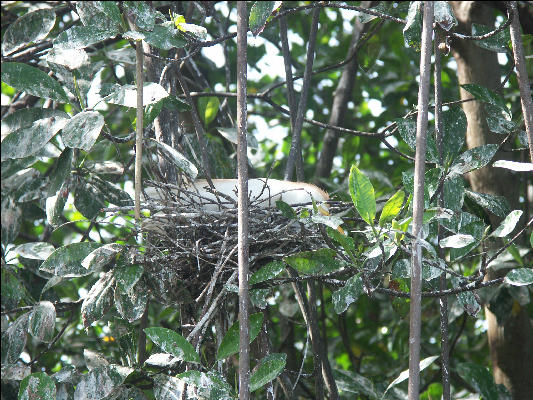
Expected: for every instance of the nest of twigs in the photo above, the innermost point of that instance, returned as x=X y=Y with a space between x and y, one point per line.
x=189 y=252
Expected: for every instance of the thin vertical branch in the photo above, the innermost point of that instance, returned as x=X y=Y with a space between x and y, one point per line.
x=418 y=204
x=139 y=130
x=295 y=153
x=443 y=300
x=288 y=69
x=242 y=162
x=521 y=74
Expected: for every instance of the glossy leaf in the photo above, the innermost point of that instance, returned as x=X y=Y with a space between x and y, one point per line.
x=345 y=241
x=173 y=343
x=66 y=260
x=230 y=343
x=163 y=37
x=514 y=165
x=208 y=109
x=128 y=275
x=111 y=192
x=362 y=193
x=101 y=14
x=474 y=158
x=412 y=32
x=392 y=207
x=37 y=386
x=99 y=299
x=444 y=15
x=269 y=271
x=348 y=294
x=41 y=324
x=407 y=130
x=457 y=241
x=14 y=339
x=426 y=362
x=231 y=135
x=498 y=43
x=88 y=200
x=82 y=130
x=79 y=37
x=176 y=158
x=466 y=298
x=508 y=224
x=11 y=220
x=28 y=141
x=519 y=277
x=127 y=95
x=269 y=368
x=141 y=13
x=97 y=259
x=168 y=387
x=208 y=386
x=497 y=205
x=486 y=95
x=34 y=250
x=259 y=14
x=31 y=27
x=454 y=129
x=479 y=378
x=354 y=383
x=131 y=304
x=319 y=261
x=60 y=171
x=55 y=205
x=99 y=382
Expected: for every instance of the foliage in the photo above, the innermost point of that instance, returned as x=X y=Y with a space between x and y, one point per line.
x=73 y=261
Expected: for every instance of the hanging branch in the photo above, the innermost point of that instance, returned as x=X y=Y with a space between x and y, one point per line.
x=295 y=154
x=418 y=204
x=521 y=74
x=288 y=69
x=242 y=165
x=443 y=301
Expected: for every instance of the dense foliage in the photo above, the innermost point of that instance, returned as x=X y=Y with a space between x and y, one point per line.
x=79 y=284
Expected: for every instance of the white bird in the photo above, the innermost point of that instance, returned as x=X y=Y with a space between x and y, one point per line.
x=262 y=192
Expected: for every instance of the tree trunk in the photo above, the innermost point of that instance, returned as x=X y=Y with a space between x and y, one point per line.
x=511 y=344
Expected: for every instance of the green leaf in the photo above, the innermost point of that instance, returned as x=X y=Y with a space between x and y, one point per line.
x=453 y=128
x=34 y=250
x=79 y=37
x=269 y=368
x=362 y=193
x=101 y=381
x=60 y=171
x=14 y=339
x=131 y=305
x=426 y=362
x=177 y=159
x=486 y=95
x=128 y=275
x=111 y=192
x=412 y=32
x=457 y=241
x=479 y=378
x=467 y=298
x=31 y=80
x=453 y=192
x=231 y=135
x=141 y=13
x=269 y=271
x=514 y=165
x=88 y=200
x=127 y=95
x=30 y=28
x=209 y=386
x=208 y=109
x=101 y=14
x=230 y=343
x=259 y=14
x=42 y=321
x=173 y=343
x=392 y=207
x=407 y=130
x=97 y=259
x=11 y=220
x=66 y=260
x=519 y=277
x=474 y=158
x=99 y=299
x=37 y=386
x=82 y=130
x=498 y=43
x=342 y=298
x=345 y=241
x=286 y=210
x=163 y=37
x=497 y=205
x=321 y=261
x=55 y=205
x=444 y=15
x=498 y=120
x=508 y=224
x=354 y=383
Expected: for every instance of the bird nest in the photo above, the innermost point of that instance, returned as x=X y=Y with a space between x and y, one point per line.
x=189 y=251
